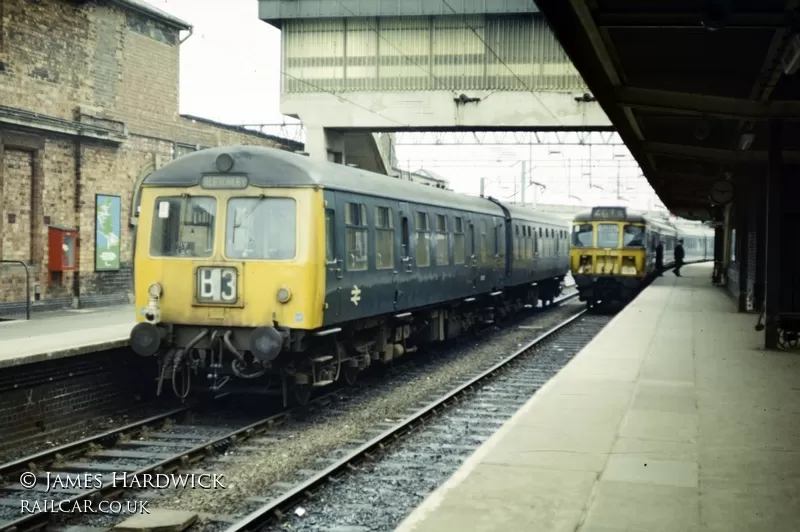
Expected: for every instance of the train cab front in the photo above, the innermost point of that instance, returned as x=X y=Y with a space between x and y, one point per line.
x=607 y=260
x=226 y=278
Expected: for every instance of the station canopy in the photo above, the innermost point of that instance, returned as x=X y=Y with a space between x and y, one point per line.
x=691 y=85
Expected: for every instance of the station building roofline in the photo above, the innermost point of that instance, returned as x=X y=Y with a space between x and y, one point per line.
x=273 y=167
x=153 y=12
x=686 y=124
x=288 y=143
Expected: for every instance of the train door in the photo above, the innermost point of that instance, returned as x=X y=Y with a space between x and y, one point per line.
x=404 y=272
x=334 y=258
x=485 y=254
x=357 y=297
x=472 y=256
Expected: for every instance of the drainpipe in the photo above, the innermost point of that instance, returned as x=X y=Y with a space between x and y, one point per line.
x=76 y=273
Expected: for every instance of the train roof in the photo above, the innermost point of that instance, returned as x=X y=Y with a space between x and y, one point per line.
x=272 y=167
x=630 y=215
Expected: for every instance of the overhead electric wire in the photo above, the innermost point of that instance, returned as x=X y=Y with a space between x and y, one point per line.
x=312 y=85
x=378 y=33
x=503 y=63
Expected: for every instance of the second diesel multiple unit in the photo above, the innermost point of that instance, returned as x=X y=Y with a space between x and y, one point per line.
x=253 y=263
x=613 y=250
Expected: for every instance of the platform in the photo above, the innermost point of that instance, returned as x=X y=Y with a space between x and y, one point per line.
x=63 y=333
x=674 y=418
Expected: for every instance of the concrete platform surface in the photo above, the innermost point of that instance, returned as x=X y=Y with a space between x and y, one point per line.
x=63 y=333
x=673 y=419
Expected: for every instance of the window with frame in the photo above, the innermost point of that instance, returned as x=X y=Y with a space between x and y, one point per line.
x=355 y=220
x=484 y=243
x=459 y=249
x=423 y=240
x=498 y=239
x=330 y=236
x=384 y=238
x=442 y=251
x=261 y=228
x=528 y=251
x=183 y=226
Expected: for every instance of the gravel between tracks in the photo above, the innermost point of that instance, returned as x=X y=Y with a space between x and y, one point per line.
x=377 y=402
x=396 y=481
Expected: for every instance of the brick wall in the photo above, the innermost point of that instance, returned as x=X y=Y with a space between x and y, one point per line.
x=57 y=399
x=95 y=63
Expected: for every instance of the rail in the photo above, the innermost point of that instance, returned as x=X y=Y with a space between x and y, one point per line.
x=45 y=460
x=259 y=518
x=27 y=285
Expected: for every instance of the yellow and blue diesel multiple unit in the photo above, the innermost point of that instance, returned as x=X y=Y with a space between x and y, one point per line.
x=253 y=263
x=613 y=250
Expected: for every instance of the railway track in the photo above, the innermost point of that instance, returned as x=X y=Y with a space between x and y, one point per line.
x=159 y=444
x=414 y=456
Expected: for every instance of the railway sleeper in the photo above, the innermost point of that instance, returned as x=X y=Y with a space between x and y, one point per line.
x=311 y=361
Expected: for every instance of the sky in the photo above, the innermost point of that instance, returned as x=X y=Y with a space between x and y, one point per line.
x=246 y=52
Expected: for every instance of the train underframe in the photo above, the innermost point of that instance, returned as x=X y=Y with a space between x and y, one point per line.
x=203 y=360
x=606 y=288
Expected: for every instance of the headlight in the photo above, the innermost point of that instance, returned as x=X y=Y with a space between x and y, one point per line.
x=284 y=295
x=155 y=290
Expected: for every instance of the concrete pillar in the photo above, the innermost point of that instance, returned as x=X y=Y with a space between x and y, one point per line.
x=760 y=197
x=324 y=144
x=719 y=246
x=773 y=266
x=742 y=232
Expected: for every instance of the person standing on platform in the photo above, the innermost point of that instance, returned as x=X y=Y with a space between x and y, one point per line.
x=678 y=258
x=660 y=259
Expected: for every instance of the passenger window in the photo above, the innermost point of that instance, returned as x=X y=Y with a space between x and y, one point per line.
x=406 y=243
x=472 y=240
x=458 y=241
x=330 y=236
x=529 y=243
x=356 y=231
x=484 y=246
x=384 y=238
x=423 y=240
x=442 y=255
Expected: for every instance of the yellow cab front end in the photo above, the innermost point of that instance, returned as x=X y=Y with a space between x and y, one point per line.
x=607 y=258
x=232 y=266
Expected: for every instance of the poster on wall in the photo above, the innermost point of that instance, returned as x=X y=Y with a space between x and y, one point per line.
x=107 y=232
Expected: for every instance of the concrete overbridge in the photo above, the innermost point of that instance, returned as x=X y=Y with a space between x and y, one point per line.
x=706 y=96
x=351 y=68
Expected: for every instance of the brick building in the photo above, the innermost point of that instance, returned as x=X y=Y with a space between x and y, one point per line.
x=88 y=105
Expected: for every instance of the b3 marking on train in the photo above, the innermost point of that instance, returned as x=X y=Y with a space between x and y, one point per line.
x=216 y=285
